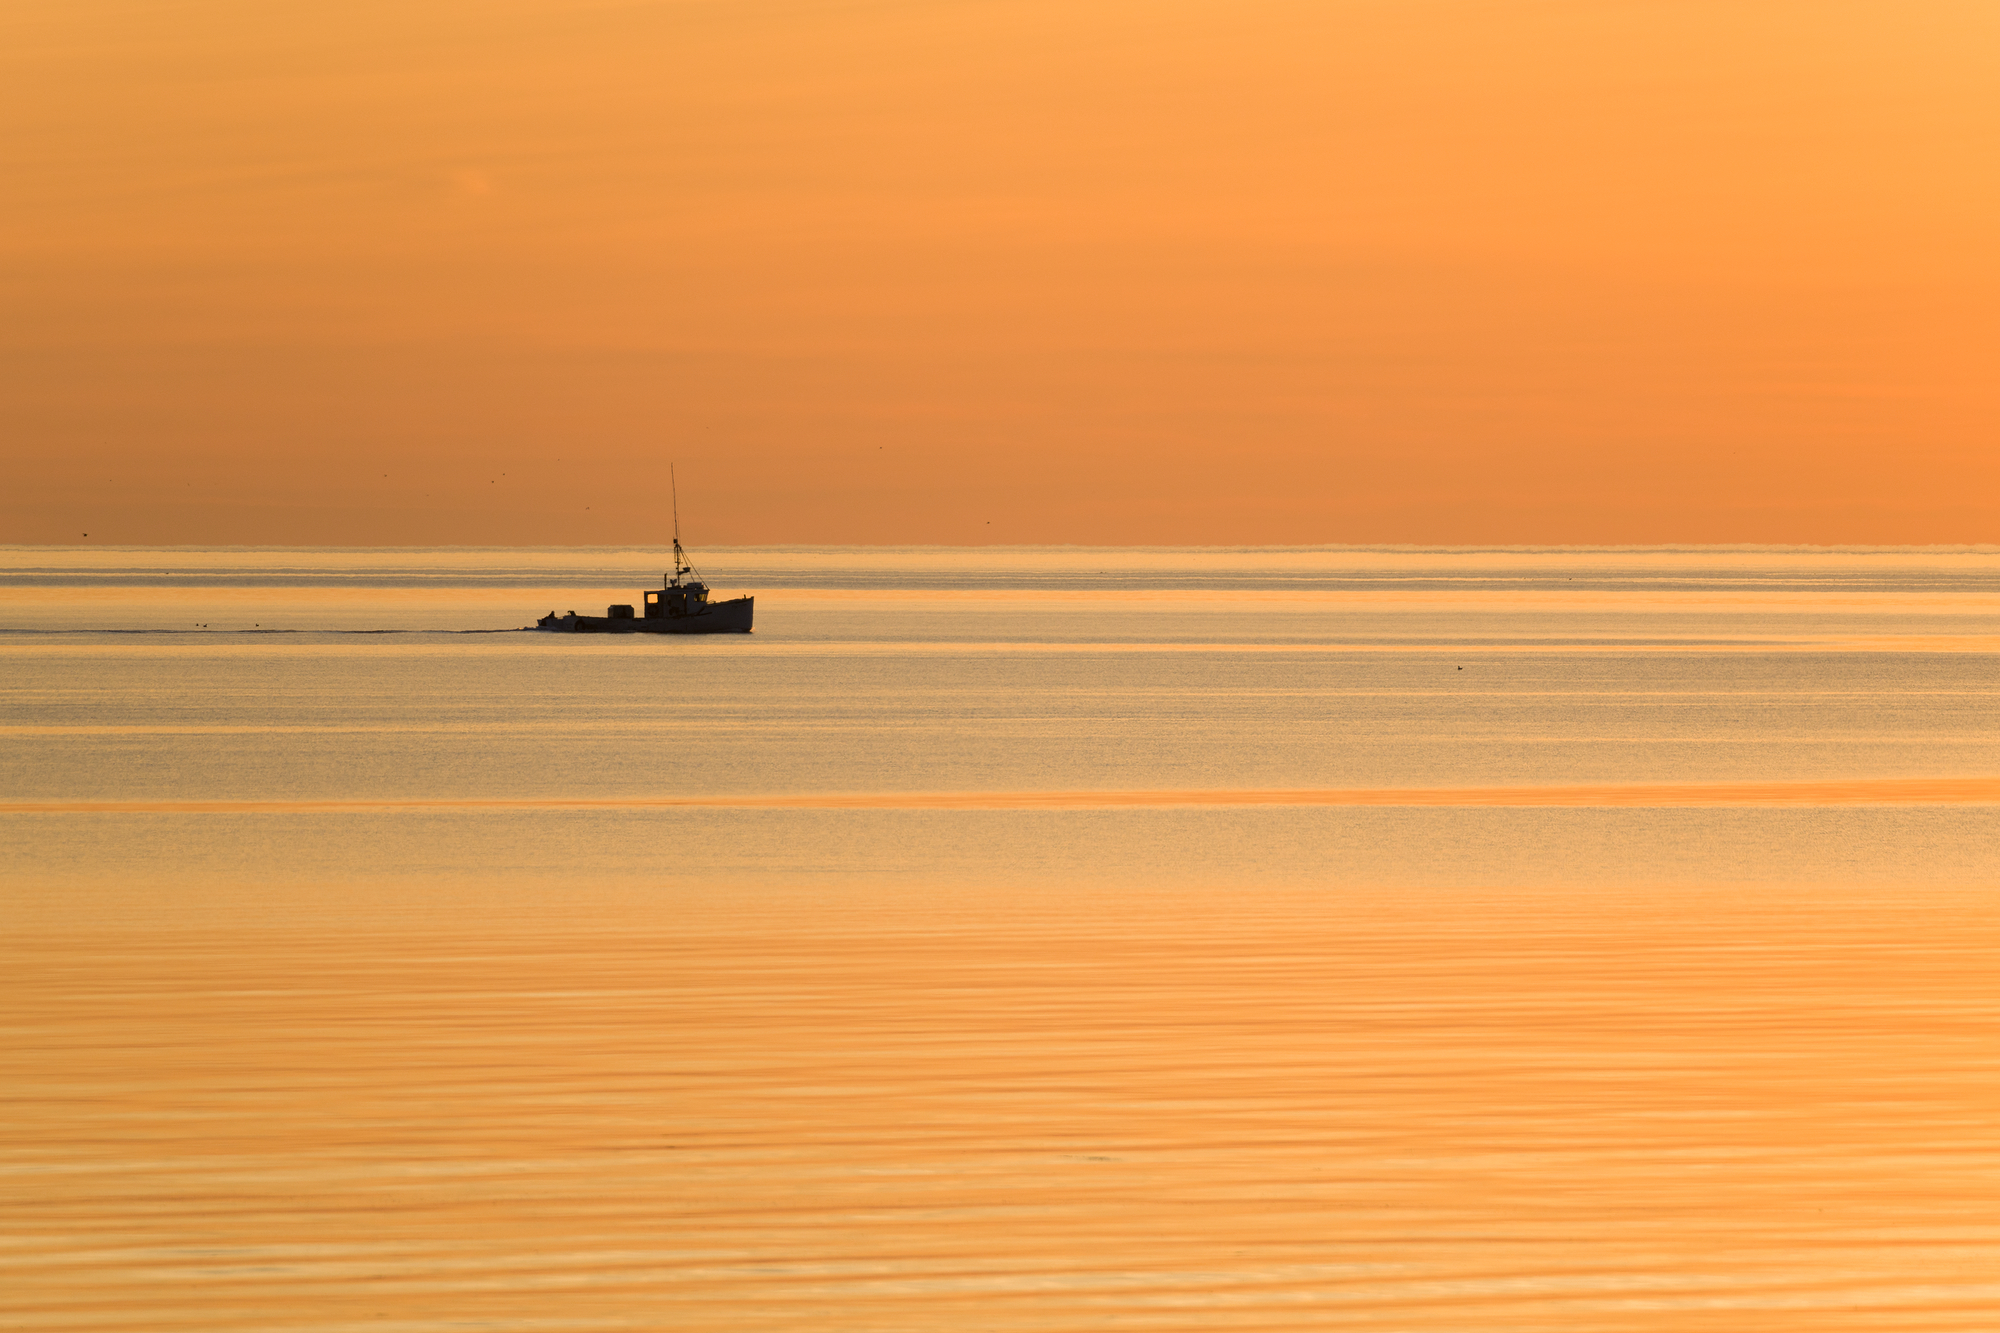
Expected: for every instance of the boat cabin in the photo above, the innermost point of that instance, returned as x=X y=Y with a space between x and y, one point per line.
x=677 y=599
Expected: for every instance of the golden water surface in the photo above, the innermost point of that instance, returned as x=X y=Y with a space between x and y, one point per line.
x=1002 y=941
x=1502 y=1112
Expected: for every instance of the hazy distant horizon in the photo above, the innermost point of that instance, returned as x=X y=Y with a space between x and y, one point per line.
x=1400 y=548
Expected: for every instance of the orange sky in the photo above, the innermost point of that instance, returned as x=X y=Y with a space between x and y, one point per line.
x=972 y=271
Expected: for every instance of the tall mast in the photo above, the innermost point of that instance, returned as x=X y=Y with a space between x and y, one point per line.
x=680 y=560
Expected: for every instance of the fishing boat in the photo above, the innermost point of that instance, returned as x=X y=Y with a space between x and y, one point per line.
x=681 y=607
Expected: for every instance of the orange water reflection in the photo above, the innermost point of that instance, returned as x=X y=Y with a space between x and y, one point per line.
x=1883 y=791
x=1497 y=1113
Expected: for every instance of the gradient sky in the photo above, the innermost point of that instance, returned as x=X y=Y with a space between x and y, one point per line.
x=1091 y=271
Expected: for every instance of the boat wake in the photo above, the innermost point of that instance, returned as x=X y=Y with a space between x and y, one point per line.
x=219 y=633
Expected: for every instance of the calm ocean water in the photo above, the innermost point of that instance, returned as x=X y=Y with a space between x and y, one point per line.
x=1007 y=939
